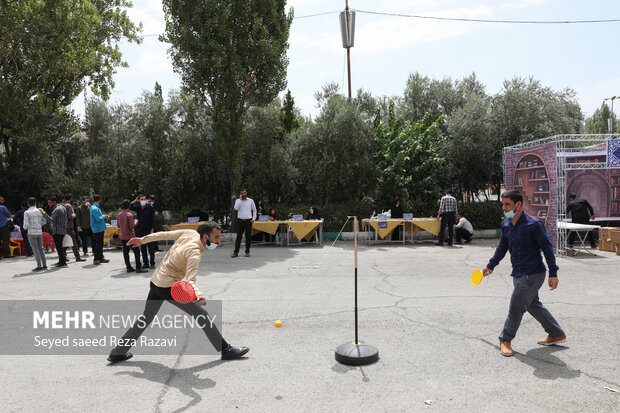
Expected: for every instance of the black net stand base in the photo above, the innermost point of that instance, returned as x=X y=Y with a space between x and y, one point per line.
x=359 y=354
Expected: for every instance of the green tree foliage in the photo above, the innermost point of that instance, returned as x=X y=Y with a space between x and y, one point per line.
x=288 y=115
x=407 y=159
x=49 y=51
x=598 y=122
x=231 y=55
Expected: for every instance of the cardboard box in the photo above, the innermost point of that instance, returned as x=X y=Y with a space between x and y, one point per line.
x=604 y=245
x=615 y=236
x=604 y=233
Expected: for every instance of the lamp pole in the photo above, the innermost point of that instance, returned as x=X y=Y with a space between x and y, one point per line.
x=346 y=10
x=612 y=124
x=347 y=31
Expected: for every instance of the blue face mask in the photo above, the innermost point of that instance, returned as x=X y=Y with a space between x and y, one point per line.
x=210 y=245
x=152 y=202
x=143 y=203
x=510 y=214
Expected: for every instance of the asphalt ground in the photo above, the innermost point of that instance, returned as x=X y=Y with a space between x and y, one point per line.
x=436 y=334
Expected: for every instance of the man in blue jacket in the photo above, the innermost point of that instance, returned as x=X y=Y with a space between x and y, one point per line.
x=97 y=225
x=525 y=237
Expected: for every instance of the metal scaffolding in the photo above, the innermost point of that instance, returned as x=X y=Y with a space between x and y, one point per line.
x=566 y=144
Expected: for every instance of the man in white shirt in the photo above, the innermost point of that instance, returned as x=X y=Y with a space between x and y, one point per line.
x=246 y=215
x=464 y=229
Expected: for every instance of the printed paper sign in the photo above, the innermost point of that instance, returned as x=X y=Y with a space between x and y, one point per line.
x=193 y=220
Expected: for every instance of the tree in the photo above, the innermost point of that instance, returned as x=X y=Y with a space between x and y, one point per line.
x=288 y=115
x=231 y=55
x=49 y=51
x=598 y=122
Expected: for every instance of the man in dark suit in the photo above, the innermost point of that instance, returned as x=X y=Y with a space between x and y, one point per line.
x=581 y=212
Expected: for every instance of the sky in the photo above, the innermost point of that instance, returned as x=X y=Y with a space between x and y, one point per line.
x=583 y=57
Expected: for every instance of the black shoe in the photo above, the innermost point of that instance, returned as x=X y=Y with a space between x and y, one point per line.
x=130 y=269
x=79 y=260
x=37 y=269
x=230 y=352
x=449 y=244
x=467 y=241
x=103 y=260
x=44 y=267
x=439 y=244
x=96 y=262
x=141 y=270
x=119 y=357
x=60 y=264
x=152 y=265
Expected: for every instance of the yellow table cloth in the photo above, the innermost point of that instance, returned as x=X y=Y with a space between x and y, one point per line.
x=110 y=231
x=183 y=225
x=270 y=227
x=304 y=229
x=431 y=225
x=383 y=232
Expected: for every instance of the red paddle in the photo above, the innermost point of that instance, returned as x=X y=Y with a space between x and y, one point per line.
x=183 y=292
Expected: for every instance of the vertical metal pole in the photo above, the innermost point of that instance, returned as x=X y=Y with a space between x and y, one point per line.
x=349 y=49
x=613 y=126
x=355 y=249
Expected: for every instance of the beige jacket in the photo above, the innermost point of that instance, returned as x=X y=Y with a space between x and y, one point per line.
x=182 y=259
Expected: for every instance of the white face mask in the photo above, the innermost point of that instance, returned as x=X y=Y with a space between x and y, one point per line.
x=511 y=214
x=210 y=245
x=143 y=203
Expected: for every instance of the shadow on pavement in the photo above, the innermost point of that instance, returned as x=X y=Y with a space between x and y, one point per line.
x=185 y=380
x=546 y=365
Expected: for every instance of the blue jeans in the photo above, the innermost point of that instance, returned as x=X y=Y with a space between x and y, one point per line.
x=525 y=298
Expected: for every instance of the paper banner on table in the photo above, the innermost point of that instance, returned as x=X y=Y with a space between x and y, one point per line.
x=304 y=230
x=193 y=220
x=407 y=216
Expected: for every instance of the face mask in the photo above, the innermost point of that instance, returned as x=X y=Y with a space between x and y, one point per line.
x=210 y=245
x=87 y=203
x=510 y=214
x=152 y=202
x=143 y=203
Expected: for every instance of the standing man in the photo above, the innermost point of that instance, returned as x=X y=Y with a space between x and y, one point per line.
x=151 y=200
x=146 y=226
x=18 y=219
x=525 y=237
x=82 y=219
x=33 y=223
x=447 y=213
x=127 y=224
x=97 y=224
x=464 y=229
x=59 y=229
x=581 y=212
x=180 y=263
x=66 y=203
x=246 y=215
x=5 y=234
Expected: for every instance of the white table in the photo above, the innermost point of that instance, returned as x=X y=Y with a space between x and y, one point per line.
x=578 y=229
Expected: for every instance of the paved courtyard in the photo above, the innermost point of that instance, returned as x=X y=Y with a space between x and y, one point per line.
x=436 y=333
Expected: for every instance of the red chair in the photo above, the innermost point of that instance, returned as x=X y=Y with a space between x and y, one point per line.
x=48 y=241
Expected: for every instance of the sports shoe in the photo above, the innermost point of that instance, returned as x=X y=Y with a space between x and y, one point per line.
x=103 y=260
x=506 y=348
x=549 y=341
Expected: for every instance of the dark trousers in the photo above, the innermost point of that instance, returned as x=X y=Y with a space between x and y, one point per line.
x=26 y=241
x=98 y=245
x=462 y=233
x=151 y=253
x=5 y=235
x=62 y=255
x=447 y=219
x=525 y=298
x=84 y=235
x=155 y=299
x=244 y=225
x=136 y=253
x=76 y=249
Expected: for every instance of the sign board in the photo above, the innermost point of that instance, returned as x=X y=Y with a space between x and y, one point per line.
x=193 y=220
x=382 y=217
x=113 y=223
x=408 y=216
x=382 y=225
x=298 y=217
x=263 y=218
x=613 y=153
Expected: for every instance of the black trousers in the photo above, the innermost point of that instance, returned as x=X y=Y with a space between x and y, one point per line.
x=98 y=245
x=447 y=219
x=244 y=225
x=26 y=241
x=151 y=253
x=76 y=248
x=84 y=235
x=136 y=253
x=62 y=254
x=5 y=235
x=462 y=233
x=157 y=296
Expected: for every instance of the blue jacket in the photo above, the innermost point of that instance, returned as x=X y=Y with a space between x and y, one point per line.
x=4 y=215
x=97 y=220
x=525 y=240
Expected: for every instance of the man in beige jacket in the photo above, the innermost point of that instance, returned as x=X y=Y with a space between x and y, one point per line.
x=180 y=263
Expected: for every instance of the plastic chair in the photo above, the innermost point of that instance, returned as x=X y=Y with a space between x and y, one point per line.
x=14 y=245
x=48 y=241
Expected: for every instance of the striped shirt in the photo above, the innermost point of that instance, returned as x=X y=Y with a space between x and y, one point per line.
x=447 y=204
x=34 y=221
x=59 y=220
